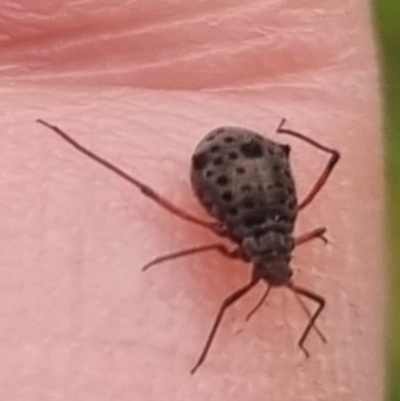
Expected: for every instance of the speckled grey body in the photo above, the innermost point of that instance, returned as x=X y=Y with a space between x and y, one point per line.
x=244 y=180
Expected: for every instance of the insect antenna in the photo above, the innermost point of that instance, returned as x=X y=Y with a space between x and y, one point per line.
x=145 y=189
x=302 y=304
x=259 y=303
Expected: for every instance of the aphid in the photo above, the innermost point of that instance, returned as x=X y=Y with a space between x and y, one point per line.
x=244 y=181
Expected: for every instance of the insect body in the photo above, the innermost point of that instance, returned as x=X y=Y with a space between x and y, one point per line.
x=244 y=181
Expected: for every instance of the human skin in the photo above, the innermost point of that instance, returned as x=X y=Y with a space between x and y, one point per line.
x=140 y=85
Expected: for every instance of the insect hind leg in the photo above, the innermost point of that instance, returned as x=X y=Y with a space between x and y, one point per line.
x=334 y=158
x=144 y=188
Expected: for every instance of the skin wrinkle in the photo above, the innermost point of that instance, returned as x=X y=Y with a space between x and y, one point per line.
x=190 y=54
x=78 y=319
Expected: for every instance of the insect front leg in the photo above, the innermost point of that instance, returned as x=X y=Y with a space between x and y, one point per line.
x=311 y=323
x=225 y=305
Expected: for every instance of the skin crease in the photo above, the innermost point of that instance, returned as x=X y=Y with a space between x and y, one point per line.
x=141 y=83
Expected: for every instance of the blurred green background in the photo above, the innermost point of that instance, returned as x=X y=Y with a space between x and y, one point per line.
x=387 y=16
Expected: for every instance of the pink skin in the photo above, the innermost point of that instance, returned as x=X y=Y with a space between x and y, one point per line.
x=141 y=86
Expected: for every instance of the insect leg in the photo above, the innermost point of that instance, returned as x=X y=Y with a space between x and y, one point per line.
x=225 y=305
x=234 y=254
x=308 y=313
x=311 y=324
x=259 y=303
x=335 y=156
x=145 y=189
x=316 y=233
x=302 y=304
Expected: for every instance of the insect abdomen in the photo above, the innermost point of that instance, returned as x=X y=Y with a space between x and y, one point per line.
x=244 y=180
